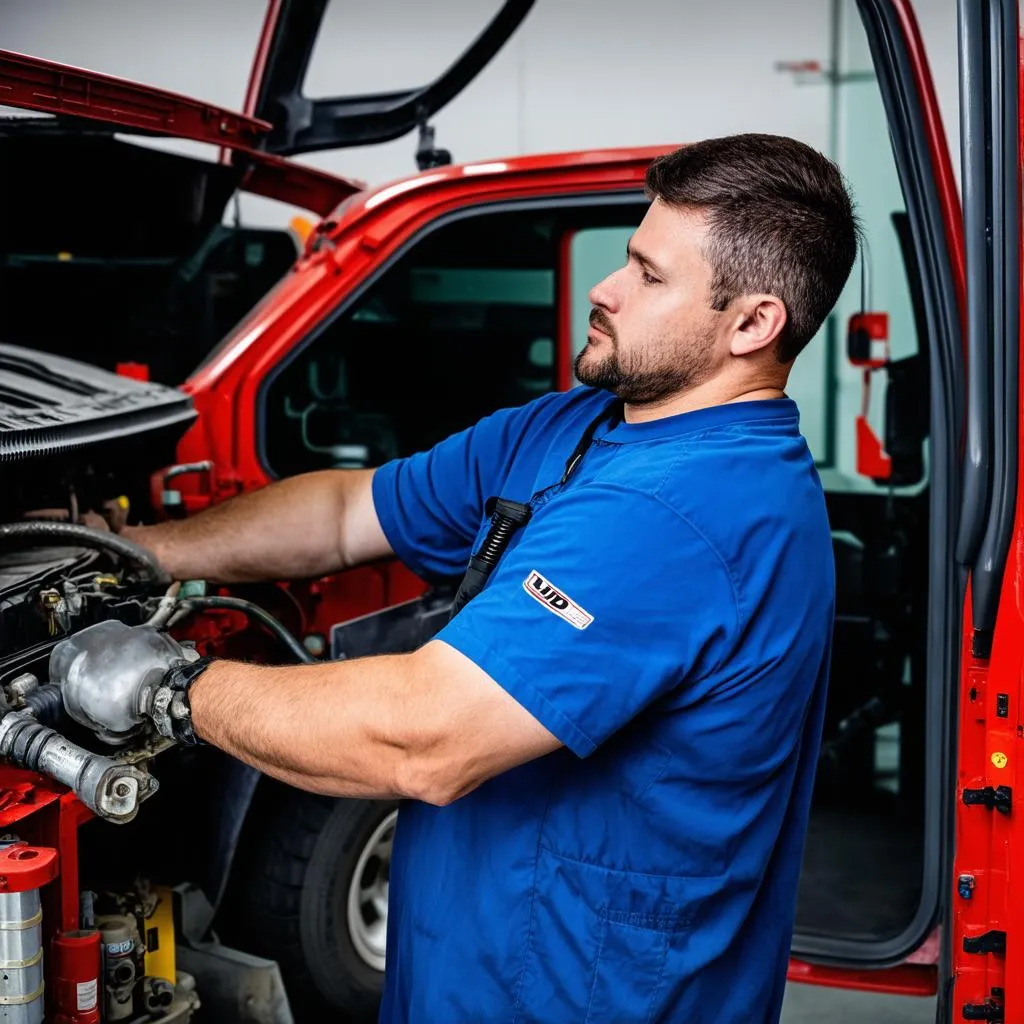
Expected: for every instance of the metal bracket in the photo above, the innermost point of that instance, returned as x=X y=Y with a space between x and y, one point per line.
x=427 y=154
x=990 y=1010
x=990 y=942
x=1000 y=798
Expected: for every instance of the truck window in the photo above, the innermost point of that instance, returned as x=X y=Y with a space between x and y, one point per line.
x=464 y=323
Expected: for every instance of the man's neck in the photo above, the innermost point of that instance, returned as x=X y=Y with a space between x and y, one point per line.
x=701 y=397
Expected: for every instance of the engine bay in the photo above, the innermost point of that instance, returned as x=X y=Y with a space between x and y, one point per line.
x=98 y=934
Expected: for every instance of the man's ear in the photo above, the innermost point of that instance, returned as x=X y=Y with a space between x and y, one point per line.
x=760 y=321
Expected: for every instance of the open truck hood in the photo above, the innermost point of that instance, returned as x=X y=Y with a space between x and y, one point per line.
x=50 y=405
x=85 y=101
x=279 y=120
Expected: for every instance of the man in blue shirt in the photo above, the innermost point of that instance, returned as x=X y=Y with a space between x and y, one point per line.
x=608 y=753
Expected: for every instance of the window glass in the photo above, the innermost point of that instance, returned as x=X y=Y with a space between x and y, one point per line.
x=885 y=277
x=463 y=324
x=871 y=786
x=594 y=253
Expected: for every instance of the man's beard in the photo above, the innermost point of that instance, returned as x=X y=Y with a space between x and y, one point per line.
x=650 y=374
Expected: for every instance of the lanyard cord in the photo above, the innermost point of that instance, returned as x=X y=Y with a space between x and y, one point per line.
x=610 y=413
x=509 y=517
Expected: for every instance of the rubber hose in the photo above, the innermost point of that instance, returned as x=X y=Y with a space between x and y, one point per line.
x=72 y=534
x=46 y=704
x=254 y=611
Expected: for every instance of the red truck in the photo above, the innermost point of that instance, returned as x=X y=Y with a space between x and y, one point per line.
x=407 y=313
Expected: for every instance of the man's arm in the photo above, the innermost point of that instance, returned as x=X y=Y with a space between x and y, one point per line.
x=305 y=526
x=429 y=726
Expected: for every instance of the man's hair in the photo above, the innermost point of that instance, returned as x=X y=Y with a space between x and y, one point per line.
x=780 y=222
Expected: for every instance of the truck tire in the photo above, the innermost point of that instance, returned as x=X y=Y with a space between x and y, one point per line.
x=309 y=890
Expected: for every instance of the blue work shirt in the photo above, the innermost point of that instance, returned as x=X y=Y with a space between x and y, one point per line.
x=667 y=615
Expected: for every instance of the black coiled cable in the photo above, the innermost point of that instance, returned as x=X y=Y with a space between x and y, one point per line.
x=506 y=519
x=500 y=533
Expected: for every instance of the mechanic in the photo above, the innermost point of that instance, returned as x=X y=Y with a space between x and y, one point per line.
x=607 y=754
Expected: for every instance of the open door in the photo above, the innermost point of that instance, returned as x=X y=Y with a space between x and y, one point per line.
x=986 y=956
x=876 y=878
x=930 y=619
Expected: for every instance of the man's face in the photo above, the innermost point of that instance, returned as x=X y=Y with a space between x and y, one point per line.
x=652 y=328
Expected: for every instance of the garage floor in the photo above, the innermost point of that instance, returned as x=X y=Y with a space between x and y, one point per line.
x=810 y=1003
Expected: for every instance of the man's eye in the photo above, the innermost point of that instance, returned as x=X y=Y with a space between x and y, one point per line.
x=648 y=279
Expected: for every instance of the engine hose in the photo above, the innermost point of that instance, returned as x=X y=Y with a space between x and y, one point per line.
x=72 y=534
x=108 y=788
x=46 y=703
x=254 y=611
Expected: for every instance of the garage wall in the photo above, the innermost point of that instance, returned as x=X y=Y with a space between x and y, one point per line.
x=576 y=76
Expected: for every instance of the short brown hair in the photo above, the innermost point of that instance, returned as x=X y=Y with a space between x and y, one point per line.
x=781 y=222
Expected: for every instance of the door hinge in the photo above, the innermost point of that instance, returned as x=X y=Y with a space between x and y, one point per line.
x=998 y=798
x=992 y=1009
x=990 y=942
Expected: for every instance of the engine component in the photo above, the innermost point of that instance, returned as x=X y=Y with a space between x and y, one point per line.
x=109 y=789
x=157 y=995
x=40 y=531
x=261 y=615
x=105 y=672
x=46 y=704
x=140 y=978
x=122 y=964
x=184 y=1003
x=165 y=609
x=20 y=686
x=75 y=973
x=23 y=870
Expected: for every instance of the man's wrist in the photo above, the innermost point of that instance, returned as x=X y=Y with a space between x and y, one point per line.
x=172 y=712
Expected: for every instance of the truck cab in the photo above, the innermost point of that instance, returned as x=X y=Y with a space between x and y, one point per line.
x=412 y=309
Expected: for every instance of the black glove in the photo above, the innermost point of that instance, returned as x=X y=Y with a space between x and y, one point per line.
x=170 y=709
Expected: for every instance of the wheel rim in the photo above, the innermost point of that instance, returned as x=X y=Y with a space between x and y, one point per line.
x=368 y=895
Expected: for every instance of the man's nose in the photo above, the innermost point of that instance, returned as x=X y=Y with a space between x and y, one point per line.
x=605 y=294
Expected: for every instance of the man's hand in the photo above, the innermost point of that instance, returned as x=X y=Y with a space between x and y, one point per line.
x=116 y=678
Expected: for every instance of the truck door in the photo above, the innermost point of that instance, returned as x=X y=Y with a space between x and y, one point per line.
x=986 y=957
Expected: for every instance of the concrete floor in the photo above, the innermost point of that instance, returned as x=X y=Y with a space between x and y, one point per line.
x=810 y=1003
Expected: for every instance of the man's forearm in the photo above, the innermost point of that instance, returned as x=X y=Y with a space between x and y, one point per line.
x=288 y=530
x=341 y=728
x=429 y=726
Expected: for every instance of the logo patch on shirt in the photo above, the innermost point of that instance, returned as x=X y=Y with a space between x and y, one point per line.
x=555 y=601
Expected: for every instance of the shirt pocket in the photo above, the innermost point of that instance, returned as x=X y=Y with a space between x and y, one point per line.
x=629 y=969
x=598 y=943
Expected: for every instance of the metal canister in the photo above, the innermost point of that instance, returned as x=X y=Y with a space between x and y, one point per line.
x=74 y=977
x=23 y=871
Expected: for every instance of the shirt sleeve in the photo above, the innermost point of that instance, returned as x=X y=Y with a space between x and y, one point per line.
x=431 y=504
x=609 y=601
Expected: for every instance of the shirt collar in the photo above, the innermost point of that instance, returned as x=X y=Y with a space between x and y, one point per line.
x=777 y=410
